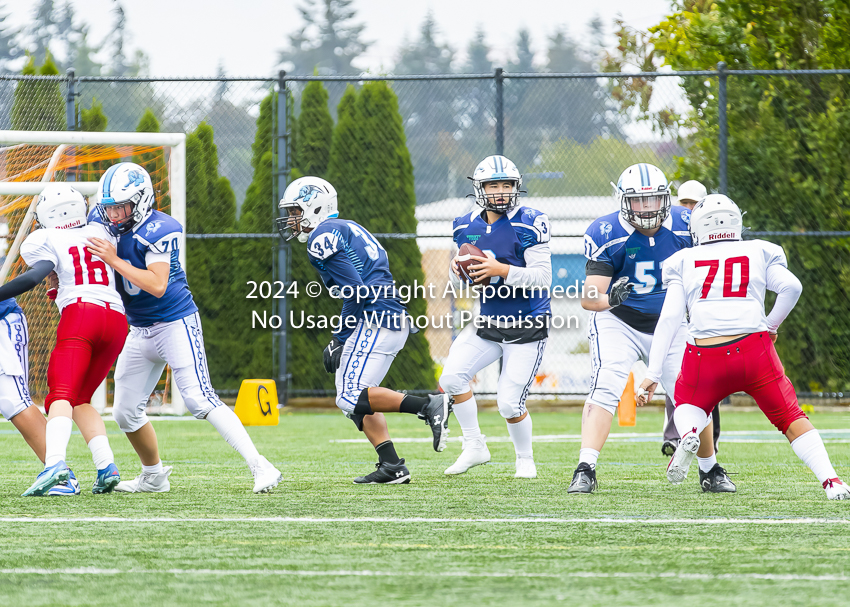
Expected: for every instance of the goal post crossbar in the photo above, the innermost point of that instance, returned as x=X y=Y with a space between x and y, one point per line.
x=92 y=138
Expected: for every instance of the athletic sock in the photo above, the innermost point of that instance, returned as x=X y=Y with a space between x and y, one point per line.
x=586 y=455
x=155 y=469
x=707 y=463
x=809 y=448
x=689 y=418
x=521 y=436
x=413 y=404
x=466 y=414
x=386 y=453
x=231 y=429
x=101 y=453
x=56 y=436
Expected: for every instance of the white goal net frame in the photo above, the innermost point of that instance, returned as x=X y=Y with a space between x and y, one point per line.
x=176 y=142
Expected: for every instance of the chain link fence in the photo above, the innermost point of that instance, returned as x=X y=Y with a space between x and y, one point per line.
x=399 y=151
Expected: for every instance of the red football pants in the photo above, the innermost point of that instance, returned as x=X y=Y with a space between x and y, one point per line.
x=711 y=373
x=88 y=340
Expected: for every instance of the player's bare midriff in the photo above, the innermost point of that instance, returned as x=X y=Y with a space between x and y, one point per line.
x=720 y=339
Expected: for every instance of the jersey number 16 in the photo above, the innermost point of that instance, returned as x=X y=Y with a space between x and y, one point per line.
x=93 y=267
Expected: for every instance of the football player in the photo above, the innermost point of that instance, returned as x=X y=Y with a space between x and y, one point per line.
x=690 y=193
x=719 y=287
x=91 y=332
x=515 y=241
x=625 y=251
x=374 y=325
x=164 y=328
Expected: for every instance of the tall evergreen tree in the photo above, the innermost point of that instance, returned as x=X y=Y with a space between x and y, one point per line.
x=388 y=183
x=211 y=208
x=94 y=120
x=39 y=105
x=10 y=49
x=154 y=162
x=476 y=55
x=328 y=40
x=524 y=55
x=345 y=166
x=42 y=29
x=315 y=129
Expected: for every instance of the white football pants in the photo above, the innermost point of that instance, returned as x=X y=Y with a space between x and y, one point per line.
x=14 y=365
x=614 y=348
x=366 y=358
x=469 y=354
x=180 y=344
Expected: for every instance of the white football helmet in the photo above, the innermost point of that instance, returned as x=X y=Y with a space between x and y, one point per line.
x=692 y=191
x=496 y=168
x=122 y=183
x=716 y=218
x=643 y=195
x=60 y=206
x=307 y=202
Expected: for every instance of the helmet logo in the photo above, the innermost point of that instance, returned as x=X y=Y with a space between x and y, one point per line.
x=308 y=192
x=134 y=178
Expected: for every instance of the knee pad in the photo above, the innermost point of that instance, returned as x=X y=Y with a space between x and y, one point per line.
x=612 y=409
x=129 y=420
x=10 y=408
x=357 y=418
x=453 y=384
x=199 y=409
x=510 y=410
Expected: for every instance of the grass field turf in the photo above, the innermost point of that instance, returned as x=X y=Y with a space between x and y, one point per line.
x=539 y=551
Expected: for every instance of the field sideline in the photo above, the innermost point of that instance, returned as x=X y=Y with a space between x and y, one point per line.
x=483 y=538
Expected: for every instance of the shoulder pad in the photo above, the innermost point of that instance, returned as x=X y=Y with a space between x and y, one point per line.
x=605 y=228
x=681 y=218
x=462 y=221
x=534 y=220
x=325 y=240
x=157 y=226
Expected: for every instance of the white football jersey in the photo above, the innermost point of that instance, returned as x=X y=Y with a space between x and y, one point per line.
x=724 y=284
x=80 y=273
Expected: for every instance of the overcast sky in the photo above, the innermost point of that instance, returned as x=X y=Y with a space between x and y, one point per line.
x=191 y=37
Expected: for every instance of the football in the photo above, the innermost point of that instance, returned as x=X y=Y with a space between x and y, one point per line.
x=464 y=260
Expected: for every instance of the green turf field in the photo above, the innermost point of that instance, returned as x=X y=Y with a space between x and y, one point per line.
x=483 y=538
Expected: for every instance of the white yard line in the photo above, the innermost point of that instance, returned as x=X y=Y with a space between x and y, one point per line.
x=525 y=520
x=455 y=574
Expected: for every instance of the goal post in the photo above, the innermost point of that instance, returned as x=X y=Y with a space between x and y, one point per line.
x=29 y=160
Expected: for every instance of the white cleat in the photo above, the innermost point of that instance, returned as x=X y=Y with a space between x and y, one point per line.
x=525 y=468
x=147 y=482
x=836 y=489
x=475 y=453
x=266 y=476
x=677 y=469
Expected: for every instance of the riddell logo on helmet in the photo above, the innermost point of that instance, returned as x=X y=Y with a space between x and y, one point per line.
x=722 y=236
x=72 y=224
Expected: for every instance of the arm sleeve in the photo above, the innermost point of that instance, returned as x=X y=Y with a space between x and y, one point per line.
x=787 y=287
x=668 y=325
x=537 y=271
x=457 y=283
x=28 y=280
x=342 y=272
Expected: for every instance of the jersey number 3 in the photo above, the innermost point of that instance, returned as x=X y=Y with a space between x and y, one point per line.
x=728 y=270
x=93 y=267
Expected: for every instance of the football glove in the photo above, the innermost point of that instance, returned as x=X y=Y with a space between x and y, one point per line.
x=620 y=291
x=332 y=355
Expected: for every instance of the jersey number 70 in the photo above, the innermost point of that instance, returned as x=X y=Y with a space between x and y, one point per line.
x=728 y=270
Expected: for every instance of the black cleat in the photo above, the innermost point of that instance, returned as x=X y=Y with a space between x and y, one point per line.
x=669 y=447
x=716 y=481
x=436 y=414
x=386 y=474
x=584 y=479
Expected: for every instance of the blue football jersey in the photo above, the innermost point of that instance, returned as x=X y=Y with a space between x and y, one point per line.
x=614 y=242
x=158 y=234
x=7 y=306
x=507 y=240
x=347 y=255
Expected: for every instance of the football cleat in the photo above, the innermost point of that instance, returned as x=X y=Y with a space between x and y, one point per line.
x=475 y=453
x=386 y=474
x=266 y=476
x=669 y=447
x=584 y=479
x=67 y=488
x=436 y=414
x=525 y=468
x=836 y=489
x=106 y=480
x=47 y=479
x=677 y=469
x=147 y=482
x=716 y=481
